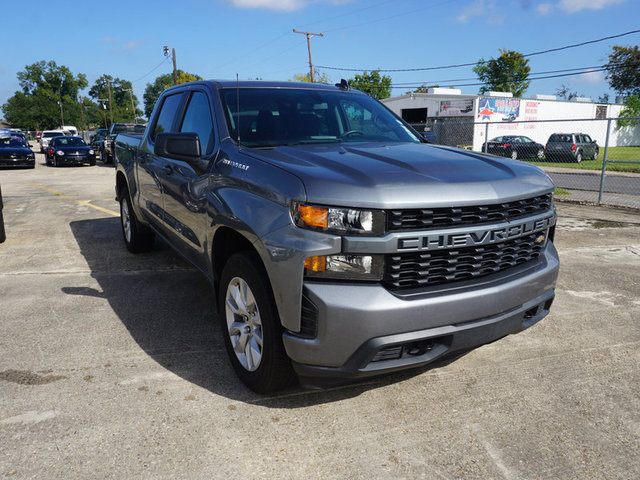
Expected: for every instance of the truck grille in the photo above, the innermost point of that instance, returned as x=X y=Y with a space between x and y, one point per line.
x=421 y=269
x=429 y=218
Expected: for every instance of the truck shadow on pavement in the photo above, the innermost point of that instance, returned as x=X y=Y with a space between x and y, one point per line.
x=168 y=309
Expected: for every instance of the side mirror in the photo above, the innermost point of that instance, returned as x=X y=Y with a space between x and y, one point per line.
x=179 y=146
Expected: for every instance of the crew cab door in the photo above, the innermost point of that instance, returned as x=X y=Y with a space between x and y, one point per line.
x=151 y=167
x=185 y=182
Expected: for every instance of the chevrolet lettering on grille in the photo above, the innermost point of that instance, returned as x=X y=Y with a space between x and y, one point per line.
x=477 y=237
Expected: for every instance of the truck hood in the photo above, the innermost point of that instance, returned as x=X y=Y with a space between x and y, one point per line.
x=405 y=175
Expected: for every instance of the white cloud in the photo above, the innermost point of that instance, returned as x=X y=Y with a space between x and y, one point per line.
x=591 y=77
x=480 y=8
x=544 y=8
x=282 y=5
x=574 y=6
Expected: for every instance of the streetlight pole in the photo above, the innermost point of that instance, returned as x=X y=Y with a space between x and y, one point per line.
x=61 y=114
x=102 y=100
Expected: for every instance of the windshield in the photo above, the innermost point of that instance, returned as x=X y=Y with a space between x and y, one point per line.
x=270 y=117
x=69 y=142
x=134 y=129
x=13 y=142
x=52 y=134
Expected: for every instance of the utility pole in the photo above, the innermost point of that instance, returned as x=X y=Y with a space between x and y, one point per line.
x=110 y=102
x=309 y=35
x=102 y=100
x=133 y=107
x=165 y=49
x=81 y=115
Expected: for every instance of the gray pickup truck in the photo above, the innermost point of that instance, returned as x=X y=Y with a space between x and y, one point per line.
x=339 y=244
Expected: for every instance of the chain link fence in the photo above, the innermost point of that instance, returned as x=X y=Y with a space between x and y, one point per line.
x=590 y=160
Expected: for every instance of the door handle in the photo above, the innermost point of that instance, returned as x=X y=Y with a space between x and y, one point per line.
x=167 y=169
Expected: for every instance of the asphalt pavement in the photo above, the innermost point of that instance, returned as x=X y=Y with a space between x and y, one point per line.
x=112 y=366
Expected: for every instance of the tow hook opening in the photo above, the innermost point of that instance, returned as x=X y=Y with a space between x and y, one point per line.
x=415 y=349
x=529 y=314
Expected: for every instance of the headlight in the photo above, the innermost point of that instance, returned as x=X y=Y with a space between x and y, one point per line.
x=59 y=152
x=338 y=220
x=346 y=267
x=91 y=151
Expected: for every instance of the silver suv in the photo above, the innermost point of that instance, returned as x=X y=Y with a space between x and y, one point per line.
x=571 y=147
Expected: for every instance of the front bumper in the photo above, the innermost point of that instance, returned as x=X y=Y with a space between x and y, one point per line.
x=16 y=163
x=75 y=159
x=365 y=330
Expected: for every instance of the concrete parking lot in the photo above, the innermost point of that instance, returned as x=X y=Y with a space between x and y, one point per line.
x=112 y=366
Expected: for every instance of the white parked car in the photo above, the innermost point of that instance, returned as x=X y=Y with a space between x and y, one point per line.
x=47 y=135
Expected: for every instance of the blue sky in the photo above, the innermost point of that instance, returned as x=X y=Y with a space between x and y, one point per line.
x=254 y=38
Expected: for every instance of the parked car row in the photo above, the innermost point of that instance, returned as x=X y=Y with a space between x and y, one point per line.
x=61 y=149
x=564 y=147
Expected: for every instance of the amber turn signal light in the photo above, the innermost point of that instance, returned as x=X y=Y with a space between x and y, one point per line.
x=313 y=216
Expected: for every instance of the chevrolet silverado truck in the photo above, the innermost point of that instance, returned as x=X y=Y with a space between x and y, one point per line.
x=338 y=243
x=107 y=147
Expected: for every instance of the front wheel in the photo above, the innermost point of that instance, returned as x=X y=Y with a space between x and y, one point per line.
x=251 y=326
x=138 y=238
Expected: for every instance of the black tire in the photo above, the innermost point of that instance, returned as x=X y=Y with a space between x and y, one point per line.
x=92 y=163
x=578 y=157
x=259 y=322
x=138 y=238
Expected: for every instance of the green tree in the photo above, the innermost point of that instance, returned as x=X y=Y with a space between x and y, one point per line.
x=49 y=94
x=375 y=85
x=623 y=70
x=631 y=109
x=153 y=90
x=306 y=77
x=507 y=73
x=120 y=97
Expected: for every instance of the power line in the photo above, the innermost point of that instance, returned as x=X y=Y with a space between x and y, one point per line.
x=541 y=52
x=164 y=60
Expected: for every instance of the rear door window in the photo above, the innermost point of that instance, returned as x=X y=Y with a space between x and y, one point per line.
x=167 y=115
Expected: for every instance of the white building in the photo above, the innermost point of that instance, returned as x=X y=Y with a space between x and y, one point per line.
x=467 y=120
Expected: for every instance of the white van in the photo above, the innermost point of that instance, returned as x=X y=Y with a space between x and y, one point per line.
x=69 y=128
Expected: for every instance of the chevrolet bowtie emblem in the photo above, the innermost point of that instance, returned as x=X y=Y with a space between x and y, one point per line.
x=540 y=239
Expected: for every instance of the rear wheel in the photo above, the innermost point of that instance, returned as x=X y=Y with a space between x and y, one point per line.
x=514 y=155
x=579 y=157
x=595 y=155
x=251 y=326
x=540 y=154
x=137 y=237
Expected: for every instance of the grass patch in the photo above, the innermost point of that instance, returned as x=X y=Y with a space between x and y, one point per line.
x=628 y=154
x=561 y=191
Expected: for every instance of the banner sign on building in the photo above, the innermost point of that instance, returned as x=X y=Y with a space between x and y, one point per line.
x=456 y=108
x=496 y=109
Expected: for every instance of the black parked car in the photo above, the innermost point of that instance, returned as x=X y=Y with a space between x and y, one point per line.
x=514 y=146
x=15 y=152
x=97 y=138
x=571 y=147
x=69 y=151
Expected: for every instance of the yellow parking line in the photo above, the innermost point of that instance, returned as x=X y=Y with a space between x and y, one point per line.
x=81 y=202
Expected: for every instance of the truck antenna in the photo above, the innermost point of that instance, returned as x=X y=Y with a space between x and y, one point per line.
x=238 y=108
